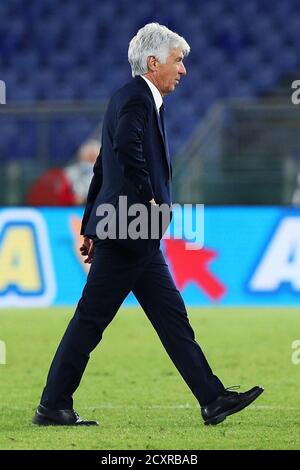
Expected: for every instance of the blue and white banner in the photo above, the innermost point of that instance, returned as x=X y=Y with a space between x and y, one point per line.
x=250 y=256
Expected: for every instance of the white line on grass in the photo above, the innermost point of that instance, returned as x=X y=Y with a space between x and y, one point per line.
x=161 y=407
x=186 y=406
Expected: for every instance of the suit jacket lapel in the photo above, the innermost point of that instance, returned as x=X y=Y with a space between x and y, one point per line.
x=163 y=136
x=163 y=133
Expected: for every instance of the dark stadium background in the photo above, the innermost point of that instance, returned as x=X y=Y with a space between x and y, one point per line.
x=61 y=60
x=234 y=132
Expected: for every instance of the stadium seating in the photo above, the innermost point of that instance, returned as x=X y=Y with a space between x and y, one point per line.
x=65 y=50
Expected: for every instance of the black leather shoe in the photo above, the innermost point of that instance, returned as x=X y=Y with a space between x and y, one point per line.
x=46 y=417
x=227 y=404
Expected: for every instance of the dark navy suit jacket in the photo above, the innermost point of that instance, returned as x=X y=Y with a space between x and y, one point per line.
x=134 y=160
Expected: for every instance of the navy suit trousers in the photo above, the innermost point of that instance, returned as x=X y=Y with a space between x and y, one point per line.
x=114 y=273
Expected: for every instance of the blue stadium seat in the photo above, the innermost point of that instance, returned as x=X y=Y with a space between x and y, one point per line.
x=264 y=79
x=66 y=137
x=248 y=61
x=21 y=94
x=25 y=63
x=288 y=60
x=68 y=50
x=44 y=81
x=62 y=62
x=9 y=134
x=63 y=92
x=25 y=146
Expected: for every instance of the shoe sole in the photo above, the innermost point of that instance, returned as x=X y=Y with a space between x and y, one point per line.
x=42 y=421
x=221 y=417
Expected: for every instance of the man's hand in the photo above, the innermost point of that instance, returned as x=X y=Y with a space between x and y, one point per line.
x=87 y=249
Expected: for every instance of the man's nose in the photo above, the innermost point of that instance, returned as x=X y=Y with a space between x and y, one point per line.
x=182 y=70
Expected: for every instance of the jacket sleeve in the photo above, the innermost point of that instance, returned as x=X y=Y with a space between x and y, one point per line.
x=132 y=121
x=94 y=189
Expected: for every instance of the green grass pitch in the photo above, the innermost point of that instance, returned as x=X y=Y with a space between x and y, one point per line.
x=133 y=390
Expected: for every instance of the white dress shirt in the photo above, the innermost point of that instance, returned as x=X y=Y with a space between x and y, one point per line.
x=156 y=94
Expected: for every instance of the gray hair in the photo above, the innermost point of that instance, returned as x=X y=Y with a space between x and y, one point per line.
x=153 y=40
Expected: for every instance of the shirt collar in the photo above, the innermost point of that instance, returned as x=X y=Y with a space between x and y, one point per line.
x=156 y=95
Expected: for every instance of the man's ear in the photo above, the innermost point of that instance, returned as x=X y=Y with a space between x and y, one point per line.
x=152 y=63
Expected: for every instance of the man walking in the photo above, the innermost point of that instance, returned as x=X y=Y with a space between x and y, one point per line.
x=135 y=163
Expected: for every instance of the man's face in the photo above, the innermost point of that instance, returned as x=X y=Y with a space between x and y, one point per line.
x=168 y=75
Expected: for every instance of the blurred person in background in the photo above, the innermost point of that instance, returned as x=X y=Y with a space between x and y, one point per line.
x=80 y=173
x=296 y=192
x=66 y=186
